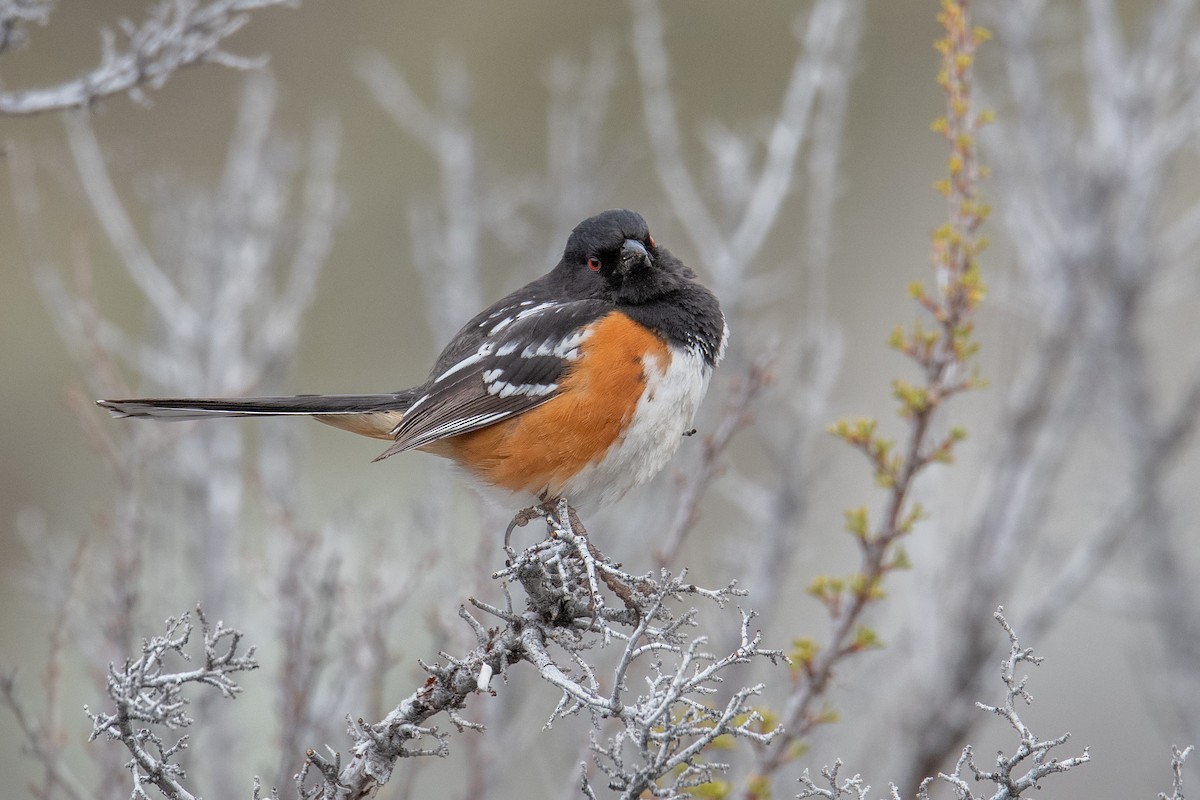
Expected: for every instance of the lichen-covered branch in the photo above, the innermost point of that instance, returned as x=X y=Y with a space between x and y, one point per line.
x=148 y=695
x=1022 y=769
x=1016 y=771
x=1178 y=757
x=577 y=600
x=15 y=15
x=174 y=35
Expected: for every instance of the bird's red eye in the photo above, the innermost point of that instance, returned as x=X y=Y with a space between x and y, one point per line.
x=650 y=241
x=593 y=264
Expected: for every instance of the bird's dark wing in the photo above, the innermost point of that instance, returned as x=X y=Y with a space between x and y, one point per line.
x=523 y=351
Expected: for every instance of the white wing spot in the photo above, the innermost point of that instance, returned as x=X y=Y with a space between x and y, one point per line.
x=520 y=315
x=540 y=307
x=568 y=347
x=505 y=389
x=484 y=351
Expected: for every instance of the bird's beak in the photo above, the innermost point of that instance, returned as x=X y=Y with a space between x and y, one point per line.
x=634 y=255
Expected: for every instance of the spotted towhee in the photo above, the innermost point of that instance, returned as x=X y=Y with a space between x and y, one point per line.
x=577 y=386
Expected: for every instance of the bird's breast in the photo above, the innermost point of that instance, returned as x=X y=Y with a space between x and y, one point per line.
x=675 y=380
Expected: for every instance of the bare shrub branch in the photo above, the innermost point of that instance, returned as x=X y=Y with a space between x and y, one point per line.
x=1015 y=773
x=174 y=35
x=148 y=693
x=1029 y=762
x=15 y=15
x=1178 y=757
x=577 y=600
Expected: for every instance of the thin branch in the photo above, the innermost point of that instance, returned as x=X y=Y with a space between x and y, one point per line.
x=153 y=282
x=664 y=730
x=737 y=413
x=15 y=15
x=35 y=735
x=146 y=694
x=1178 y=757
x=945 y=358
x=175 y=34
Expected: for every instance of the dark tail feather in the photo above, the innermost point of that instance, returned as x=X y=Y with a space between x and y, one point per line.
x=174 y=408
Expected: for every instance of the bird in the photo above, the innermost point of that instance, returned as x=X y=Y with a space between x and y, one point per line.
x=578 y=386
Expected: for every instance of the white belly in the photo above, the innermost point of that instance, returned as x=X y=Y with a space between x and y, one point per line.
x=664 y=413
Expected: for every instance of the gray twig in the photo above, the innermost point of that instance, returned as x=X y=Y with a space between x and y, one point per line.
x=148 y=694
x=1030 y=761
x=174 y=35
x=568 y=585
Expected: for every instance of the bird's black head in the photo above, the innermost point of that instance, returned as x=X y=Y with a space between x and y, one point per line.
x=613 y=255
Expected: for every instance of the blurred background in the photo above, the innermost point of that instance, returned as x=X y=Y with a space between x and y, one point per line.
x=397 y=166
